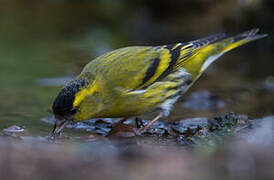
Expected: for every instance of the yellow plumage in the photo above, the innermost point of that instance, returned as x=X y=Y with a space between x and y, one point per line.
x=133 y=80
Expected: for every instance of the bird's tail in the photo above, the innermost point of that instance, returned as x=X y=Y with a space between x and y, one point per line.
x=212 y=51
x=240 y=39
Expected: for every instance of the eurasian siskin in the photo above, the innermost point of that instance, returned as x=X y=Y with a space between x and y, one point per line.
x=134 y=80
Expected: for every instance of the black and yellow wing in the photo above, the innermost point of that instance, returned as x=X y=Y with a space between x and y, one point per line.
x=133 y=80
x=138 y=67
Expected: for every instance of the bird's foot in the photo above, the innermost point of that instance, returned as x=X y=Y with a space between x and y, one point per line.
x=143 y=129
x=125 y=130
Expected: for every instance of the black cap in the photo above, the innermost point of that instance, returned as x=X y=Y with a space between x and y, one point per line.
x=63 y=103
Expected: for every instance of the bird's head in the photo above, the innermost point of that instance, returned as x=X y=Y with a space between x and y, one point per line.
x=63 y=108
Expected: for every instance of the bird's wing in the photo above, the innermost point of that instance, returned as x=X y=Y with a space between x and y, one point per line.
x=126 y=68
x=138 y=67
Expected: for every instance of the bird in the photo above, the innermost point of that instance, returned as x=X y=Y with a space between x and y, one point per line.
x=134 y=80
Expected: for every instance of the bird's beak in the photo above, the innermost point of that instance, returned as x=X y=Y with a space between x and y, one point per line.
x=59 y=125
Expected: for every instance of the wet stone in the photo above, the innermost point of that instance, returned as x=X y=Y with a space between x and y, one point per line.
x=81 y=125
x=102 y=131
x=159 y=128
x=13 y=129
x=184 y=132
x=158 y=131
x=102 y=124
x=224 y=122
x=190 y=126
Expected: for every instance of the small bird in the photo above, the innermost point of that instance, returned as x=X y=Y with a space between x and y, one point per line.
x=134 y=80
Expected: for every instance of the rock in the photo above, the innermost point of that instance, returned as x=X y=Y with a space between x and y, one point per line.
x=190 y=126
x=226 y=122
x=13 y=129
x=159 y=128
x=184 y=132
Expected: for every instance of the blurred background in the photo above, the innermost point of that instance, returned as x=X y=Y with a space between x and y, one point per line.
x=44 y=43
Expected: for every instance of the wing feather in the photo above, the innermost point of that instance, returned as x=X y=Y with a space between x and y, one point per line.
x=138 y=67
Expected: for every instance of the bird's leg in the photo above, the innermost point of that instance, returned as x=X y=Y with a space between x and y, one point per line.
x=125 y=130
x=143 y=129
x=139 y=123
